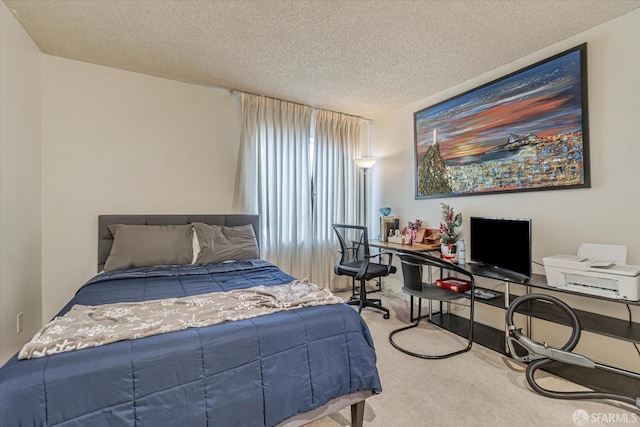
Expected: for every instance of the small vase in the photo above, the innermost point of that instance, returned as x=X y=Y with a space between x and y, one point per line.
x=449 y=252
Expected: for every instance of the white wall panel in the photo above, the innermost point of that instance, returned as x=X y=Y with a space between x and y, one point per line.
x=117 y=142
x=20 y=247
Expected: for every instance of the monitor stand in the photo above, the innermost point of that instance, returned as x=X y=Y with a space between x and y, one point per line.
x=495 y=273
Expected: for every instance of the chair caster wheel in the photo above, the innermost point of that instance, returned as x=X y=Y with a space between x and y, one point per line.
x=385 y=316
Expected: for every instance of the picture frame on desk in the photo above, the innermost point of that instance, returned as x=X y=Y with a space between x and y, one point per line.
x=428 y=236
x=388 y=225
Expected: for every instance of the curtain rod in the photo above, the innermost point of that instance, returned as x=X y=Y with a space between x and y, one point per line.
x=234 y=92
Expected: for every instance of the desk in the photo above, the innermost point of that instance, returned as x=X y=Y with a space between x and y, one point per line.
x=595 y=323
x=494 y=338
x=416 y=247
x=394 y=247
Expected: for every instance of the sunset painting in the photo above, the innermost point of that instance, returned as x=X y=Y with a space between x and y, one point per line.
x=524 y=132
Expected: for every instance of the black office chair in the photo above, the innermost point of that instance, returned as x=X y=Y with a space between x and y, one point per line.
x=412 y=265
x=355 y=261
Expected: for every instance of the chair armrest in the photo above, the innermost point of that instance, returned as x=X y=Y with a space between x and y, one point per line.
x=349 y=248
x=390 y=254
x=389 y=264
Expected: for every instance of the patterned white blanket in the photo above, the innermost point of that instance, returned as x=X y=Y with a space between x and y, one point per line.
x=92 y=326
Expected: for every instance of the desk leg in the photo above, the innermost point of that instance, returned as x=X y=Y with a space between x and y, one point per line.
x=430 y=282
x=528 y=317
x=506 y=304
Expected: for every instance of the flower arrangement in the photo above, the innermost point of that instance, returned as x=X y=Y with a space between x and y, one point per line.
x=448 y=227
x=411 y=229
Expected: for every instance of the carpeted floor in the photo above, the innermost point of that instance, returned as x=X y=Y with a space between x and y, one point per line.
x=477 y=388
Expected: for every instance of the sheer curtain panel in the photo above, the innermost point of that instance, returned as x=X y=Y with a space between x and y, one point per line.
x=274 y=179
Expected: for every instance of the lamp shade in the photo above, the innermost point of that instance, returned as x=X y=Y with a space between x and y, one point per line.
x=365 y=162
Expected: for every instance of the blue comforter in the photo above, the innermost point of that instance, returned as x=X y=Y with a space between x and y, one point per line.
x=253 y=372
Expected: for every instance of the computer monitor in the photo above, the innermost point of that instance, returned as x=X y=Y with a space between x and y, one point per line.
x=502 y=243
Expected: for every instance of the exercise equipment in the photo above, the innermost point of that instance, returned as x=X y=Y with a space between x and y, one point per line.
x=539 y=354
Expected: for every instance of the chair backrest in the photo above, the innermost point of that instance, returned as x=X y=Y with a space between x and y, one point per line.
x=411 y=272
x=354 y=242
x=412 y=263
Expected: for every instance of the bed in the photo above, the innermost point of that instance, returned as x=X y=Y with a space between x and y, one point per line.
x=286 y=368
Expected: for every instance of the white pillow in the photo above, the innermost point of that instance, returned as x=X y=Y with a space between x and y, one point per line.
x=196 y=246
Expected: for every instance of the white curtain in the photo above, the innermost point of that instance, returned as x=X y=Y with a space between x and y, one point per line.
x=335 y=186
x=274 y=179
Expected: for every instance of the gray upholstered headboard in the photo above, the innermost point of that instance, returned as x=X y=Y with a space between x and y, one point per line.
x=105 y=239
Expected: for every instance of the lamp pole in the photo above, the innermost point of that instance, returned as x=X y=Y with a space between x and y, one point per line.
x=364 y=188
x=365 y=163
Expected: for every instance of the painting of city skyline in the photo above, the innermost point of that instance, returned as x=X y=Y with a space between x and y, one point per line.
x=526 y=131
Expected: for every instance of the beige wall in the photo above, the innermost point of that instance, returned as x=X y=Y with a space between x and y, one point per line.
x=20 y=247
x=609 y=212
x=120 y=142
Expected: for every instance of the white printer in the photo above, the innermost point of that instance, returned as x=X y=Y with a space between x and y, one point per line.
x=596 y=270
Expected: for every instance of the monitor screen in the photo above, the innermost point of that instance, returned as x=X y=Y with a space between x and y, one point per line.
x=503 y=243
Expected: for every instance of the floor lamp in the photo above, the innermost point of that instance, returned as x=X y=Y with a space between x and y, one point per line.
x=365 y=164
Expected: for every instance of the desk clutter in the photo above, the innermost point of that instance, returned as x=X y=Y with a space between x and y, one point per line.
x=482 y=294
x=413 y=232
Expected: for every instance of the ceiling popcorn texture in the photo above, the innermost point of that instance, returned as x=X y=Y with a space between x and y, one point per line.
x=365 y=58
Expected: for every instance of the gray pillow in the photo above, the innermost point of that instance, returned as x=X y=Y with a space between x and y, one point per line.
x=143 y=245
x=220 y=243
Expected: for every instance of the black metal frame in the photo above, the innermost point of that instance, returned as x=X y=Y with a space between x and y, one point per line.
x=539 y=355
x=360 y=270
x=412 y=263
x=355 y=289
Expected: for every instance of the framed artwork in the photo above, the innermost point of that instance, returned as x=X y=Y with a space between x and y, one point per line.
x=526 y=131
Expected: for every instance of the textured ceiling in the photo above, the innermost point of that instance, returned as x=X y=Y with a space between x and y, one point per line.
x=364 y=58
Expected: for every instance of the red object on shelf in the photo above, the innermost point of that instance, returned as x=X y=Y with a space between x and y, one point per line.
x=454 y=284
